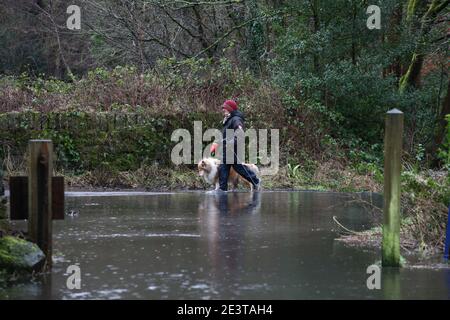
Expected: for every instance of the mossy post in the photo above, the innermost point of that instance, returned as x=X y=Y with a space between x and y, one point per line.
x=392 y=194
x=40 y=195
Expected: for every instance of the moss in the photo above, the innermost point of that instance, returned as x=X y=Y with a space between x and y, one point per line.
x=19 y=255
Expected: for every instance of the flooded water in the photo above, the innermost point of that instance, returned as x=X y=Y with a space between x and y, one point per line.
x=268 y=245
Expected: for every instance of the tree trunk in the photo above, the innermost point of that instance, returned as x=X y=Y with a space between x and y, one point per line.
x=412 y=76
x=353 y=51
x=201 y=32
x=444 y=111
x=441 y=127
x=316 y=28
x=393 y=38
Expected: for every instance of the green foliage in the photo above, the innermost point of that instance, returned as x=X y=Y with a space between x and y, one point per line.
x=327 y=57
x=444 y=150
x=421 y=185
x=294 y=171
x=361 y=151
x=66 y=149
x=256 y=39
x=83 y=141
x=302 y=174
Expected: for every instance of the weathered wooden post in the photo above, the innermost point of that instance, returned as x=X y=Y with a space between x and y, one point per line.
x=40 y=195
x=392 y=194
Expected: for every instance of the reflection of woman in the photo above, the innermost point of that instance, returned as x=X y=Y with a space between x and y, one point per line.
x=233 y=204
x=224 y=234
x=238 y=203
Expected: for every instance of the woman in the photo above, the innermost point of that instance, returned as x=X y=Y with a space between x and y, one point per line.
x=233 y=119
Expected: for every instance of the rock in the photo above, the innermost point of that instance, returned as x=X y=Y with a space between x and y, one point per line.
x=20 y=255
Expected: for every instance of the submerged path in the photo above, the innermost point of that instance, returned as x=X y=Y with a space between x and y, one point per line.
x=192 y=245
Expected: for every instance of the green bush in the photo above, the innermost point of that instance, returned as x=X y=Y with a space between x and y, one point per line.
x=444 y=150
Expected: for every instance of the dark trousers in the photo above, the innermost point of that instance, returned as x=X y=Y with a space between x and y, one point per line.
x=224 y=172
x=224 y=168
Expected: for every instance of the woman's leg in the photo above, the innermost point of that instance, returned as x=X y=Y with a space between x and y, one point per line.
x=246 y=173
x=224 y=172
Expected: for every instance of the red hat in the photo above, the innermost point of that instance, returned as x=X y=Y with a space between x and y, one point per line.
x=230 y=105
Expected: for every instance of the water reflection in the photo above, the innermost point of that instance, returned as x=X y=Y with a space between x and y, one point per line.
x=233 y=203
x=391 y=283
x=237 y=245
x=39 y=287
x=224 y=222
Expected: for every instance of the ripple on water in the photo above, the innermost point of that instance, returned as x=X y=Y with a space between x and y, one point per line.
x=79 y=295
x=256 y=286
x=199 y=286
x=152 y=288
x=93 y=204
x=110 y=294
x=148 y=235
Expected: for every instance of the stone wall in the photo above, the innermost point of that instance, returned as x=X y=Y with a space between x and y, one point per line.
x=84 y=141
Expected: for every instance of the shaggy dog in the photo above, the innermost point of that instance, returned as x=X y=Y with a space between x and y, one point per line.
x=208 y=168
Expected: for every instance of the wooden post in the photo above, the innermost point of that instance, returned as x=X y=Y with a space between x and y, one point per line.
x=392 y=194
x=40 y=196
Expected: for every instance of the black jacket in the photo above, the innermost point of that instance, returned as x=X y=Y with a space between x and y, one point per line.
x=235 y=120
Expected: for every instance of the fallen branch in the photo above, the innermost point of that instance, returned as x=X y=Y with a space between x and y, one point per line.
x=346 y=229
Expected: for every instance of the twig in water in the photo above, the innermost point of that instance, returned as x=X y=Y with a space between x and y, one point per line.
x=346 y=229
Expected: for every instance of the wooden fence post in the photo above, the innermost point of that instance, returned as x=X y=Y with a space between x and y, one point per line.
x=40 y=196
x=392 y=194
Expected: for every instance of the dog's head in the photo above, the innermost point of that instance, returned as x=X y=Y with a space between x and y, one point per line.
x=203 y=167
